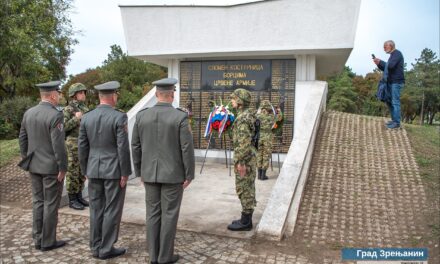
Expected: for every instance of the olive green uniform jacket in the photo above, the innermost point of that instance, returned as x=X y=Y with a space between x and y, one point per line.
x=162 y=145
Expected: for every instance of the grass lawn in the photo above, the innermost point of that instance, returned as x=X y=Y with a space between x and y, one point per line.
x=9 y=149
x=425 y=141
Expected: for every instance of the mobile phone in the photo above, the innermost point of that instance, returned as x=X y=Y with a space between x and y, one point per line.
x=372 y=55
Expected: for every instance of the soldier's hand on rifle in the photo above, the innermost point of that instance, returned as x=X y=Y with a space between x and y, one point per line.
x=78 y=115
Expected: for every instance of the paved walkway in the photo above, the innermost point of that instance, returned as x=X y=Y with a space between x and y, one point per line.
x=364 y=189
x=15 y=186
x=16 y=244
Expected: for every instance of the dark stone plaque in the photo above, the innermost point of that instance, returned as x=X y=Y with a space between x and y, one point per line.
x=202 y=82
x=254 y=75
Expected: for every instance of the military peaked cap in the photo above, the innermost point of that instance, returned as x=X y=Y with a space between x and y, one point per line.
x=49 y=86
x=108 y=87
x=167 y=84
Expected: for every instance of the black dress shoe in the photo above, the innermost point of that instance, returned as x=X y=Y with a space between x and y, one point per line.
x=81 y=200
x=58 y=244
x=115 y=252
x=95 y=254
x=173 y=259
x=37 y=247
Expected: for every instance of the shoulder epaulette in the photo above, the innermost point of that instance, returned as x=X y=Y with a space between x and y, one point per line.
x=89 y=111
x=143 y=109
x=59 y=108
x=182 y=109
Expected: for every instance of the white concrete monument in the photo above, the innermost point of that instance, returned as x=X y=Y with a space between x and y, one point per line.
x=295 y=41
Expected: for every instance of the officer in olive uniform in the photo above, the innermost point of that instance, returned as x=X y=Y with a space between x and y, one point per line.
x=267 y=119
x=41 y=141
x=244 y=158
x=163 y=156
x=104 y=156
x=72 y=118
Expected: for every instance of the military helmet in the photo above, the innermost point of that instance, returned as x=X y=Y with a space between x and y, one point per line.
x=265 y=104
x=76 y=87
x=243 y=96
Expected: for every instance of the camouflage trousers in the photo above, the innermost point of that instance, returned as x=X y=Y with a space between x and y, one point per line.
x=74 y=179
x=245 y=187
x=264 y=151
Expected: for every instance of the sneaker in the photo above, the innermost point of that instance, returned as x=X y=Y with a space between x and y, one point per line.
x=393 y=126
x=389 y=122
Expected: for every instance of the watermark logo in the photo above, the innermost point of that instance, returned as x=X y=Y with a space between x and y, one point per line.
x=386 y=255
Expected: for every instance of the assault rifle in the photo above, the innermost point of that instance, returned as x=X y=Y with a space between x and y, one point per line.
x=256 y=136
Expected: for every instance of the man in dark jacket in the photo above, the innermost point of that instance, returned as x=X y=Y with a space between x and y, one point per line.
x=395 y=79
x=104 y=156
x=163 y=156
x=42 y=142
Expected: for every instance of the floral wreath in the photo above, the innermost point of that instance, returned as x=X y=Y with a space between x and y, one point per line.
x=220 y=119
x=278 y=120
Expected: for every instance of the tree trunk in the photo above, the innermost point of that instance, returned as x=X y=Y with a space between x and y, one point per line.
x=422 y=114
x=431 y=118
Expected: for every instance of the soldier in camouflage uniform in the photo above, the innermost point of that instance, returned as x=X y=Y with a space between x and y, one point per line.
x=244 y=158
x=267 y=119
x=72 y=117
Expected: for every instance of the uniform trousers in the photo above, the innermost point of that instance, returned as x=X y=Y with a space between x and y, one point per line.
x=46 y=197
x=106 y=198
x=163 y=207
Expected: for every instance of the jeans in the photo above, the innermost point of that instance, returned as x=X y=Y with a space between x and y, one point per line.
x=394 y=105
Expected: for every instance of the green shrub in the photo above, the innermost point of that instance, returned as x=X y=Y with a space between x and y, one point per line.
x=127 y=99
x=11 y=114
x=6 y=129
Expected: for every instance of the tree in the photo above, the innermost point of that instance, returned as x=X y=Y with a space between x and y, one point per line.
x=89 y=78
x=366 y=88
x=425 y=77
x=342 y=95
x=129 y=71
x=36 y=43
x=134 y=75
x=411 y=97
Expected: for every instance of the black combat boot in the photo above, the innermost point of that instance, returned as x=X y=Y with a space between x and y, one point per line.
x=244 y=224
x=81 y=200
x=263 y=175
x=259 y=173
x=74 y=203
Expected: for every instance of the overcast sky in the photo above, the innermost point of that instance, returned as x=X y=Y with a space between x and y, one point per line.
x=412 y=24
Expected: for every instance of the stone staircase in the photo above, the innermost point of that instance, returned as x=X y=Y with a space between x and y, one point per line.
x=364 y=188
